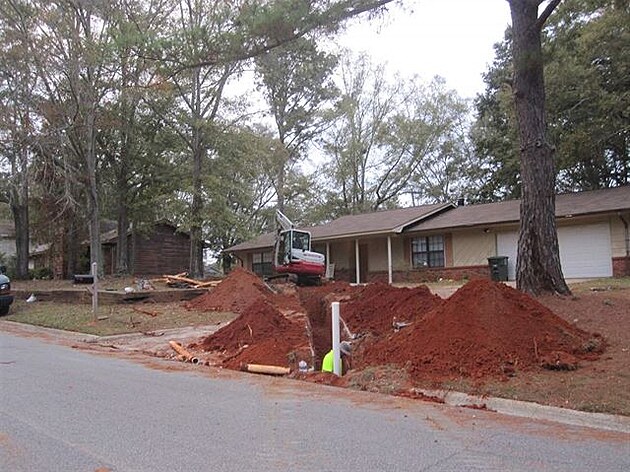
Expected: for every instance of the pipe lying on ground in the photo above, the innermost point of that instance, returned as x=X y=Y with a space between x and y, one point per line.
x=184 y=355
x=266 y=369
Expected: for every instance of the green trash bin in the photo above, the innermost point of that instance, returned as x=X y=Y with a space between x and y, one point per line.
x=498 y=268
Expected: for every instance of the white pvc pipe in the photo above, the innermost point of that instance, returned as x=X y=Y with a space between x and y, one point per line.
x=335 y=339
x=94 y=289
x=389 y=260
x=357 y=265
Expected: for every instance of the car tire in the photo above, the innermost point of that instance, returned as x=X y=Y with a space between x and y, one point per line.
x=4 y=310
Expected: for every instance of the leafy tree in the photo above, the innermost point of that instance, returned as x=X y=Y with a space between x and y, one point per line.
x=391 y=138
x=71 y=52
x=129 y=132
x=434 y=131
x=296 y=82
x=258 y=27
x=17 y=123
x=586 y=82
x=212 y=41
x=494 y=134
x=587 y=78
x=197 y=93
x=586 y=101
x=240 y=187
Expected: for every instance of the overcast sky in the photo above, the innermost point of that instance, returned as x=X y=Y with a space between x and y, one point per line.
x=450 y=38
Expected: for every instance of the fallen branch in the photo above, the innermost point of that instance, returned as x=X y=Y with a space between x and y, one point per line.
x=145 y=312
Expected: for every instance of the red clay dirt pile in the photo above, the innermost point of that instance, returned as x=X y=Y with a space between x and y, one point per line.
x=484 y=329
x=236 y=292
x=260 y=335
x=379 y=306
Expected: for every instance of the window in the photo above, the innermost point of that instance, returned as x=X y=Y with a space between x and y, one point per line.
x=427 y=251
x=261 y=263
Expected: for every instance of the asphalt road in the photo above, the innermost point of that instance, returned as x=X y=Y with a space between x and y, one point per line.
x=62 y=409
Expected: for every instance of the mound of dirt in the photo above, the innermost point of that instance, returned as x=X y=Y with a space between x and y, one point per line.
x=261 y=335
x=484 y=329
x=239 y=290
x=379 y=306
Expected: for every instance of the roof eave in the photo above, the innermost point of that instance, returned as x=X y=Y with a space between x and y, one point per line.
x=440 y=209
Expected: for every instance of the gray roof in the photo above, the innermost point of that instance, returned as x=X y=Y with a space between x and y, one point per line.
x=443 y=216
x=568 y=204
x=379 y=222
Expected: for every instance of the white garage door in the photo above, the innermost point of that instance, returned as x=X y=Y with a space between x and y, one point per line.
x=507 y=245
x=584 y=250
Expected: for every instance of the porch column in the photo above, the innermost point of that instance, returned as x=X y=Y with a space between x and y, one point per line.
x=356 y=256
x=389 y=259
x=327 y=253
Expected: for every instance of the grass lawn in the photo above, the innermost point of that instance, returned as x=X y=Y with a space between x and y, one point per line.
x=112 y=319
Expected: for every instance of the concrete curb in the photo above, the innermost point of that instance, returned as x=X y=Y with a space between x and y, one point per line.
x=532 y=410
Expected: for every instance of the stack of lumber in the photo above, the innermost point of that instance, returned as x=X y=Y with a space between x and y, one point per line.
x=181 y=279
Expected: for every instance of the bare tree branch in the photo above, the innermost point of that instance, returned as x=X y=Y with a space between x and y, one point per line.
x=544 y=16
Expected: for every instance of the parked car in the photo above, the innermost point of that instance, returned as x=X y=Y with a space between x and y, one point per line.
x=5 y=293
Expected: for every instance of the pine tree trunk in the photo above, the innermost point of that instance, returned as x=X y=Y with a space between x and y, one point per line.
x=538 y=266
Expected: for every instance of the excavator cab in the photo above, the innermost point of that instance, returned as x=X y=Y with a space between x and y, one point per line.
x=293 y=255
x=289 y=245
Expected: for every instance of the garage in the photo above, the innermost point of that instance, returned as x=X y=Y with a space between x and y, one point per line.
x=584 y=250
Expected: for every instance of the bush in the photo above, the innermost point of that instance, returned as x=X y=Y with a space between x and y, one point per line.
x=43 y=273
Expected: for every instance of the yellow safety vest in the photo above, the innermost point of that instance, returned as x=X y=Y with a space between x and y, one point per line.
x=328 y=362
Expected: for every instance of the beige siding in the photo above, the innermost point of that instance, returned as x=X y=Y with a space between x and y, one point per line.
x=342 y=254
x=473 y=247
x=377 y=251
x=398 y=254
x=618 y=236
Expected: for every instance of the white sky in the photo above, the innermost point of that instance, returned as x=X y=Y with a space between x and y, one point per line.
x=450 y=38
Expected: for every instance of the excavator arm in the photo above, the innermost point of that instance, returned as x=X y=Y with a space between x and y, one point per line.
x=283 y=221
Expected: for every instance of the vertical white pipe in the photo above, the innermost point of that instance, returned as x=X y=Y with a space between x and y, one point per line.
x=94 y=289
x=389 y=260
x=335 y=339
x=357 y=265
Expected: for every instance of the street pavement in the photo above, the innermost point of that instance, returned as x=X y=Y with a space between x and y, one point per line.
x=64 y=409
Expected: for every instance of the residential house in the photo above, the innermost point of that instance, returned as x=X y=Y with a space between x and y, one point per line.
x=430 y=242
x=7 y=238
x=163 y=250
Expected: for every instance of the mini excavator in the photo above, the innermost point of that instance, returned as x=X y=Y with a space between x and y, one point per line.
x=293 y=255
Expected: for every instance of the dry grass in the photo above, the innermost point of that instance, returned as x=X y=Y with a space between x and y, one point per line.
x=112 y=319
